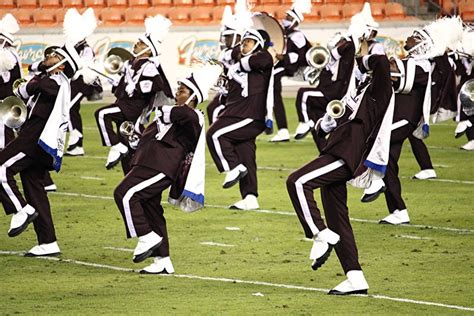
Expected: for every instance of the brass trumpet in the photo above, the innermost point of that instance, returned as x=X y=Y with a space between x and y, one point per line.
x=317 y=58
x=18 y=82
x=13 y=112
x=115 y=59
x=336 y=109
x=127 y=130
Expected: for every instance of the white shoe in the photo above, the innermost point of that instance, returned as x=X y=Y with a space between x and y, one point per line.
x=372 y=193
x=21 y=219
x=355 y=284
x=43 y=250
x=233 y=176
x=282 y=136
x=323 y=244
x=396 y=218
x=469 y=146
x=425 y=174
x=115 y=154
x=159 y=266
x=146 y=245
x=303 y=129
x=51 y=188
x=76 y=151
x=74 y=137
x=250 y=202
x=461 y=128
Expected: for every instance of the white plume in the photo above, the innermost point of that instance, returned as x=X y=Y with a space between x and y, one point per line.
x=73 y=27
x=358 y=27
x=9 y=24
x=445 y=33
x=89 y=22
x=158 y=26
x=301 y=6
x=243 y=15
x=206 y=77
x=227 y=16
x=367 y=15
x=467 y=43
x=7 y=59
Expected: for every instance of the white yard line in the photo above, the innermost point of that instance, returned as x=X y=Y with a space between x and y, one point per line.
x=211 y=243
x=92 y=178
x=413 y=237
x=258 y=283
x=360 y=220
x=119 y=249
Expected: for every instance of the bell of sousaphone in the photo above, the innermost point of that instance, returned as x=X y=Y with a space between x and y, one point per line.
x=13 y=112
x=466 y=96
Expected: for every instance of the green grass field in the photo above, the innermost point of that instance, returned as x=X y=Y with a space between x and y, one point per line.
x=263 y=268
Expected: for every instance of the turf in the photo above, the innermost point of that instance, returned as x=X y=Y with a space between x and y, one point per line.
x=269 y=247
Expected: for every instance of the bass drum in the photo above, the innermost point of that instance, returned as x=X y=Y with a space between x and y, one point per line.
x=263 y=21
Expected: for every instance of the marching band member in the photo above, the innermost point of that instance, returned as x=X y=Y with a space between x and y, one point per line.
x=231 y=138
x=37 y=148
x=465 y=72
x=230 y=38
x=176 y=132
x=84 y=85
x=10 y=68
x=415 y=80
x=362 y=128
x=142 y=78
x=288 y=64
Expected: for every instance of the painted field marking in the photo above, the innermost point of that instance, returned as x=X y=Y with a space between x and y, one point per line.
x=119 y=249
x=413 y=237
x=259 y=283
x=286 y=213
x=231 y=228
x=211 y=243
x=92 y=178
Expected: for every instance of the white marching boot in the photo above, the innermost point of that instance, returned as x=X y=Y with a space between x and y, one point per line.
x=355 y=284
x=76 y=151
x=323 y=244
x=303 y=129
x=282 y=136
x=398 y=217
x=115 y=154
x=372 y=193
x=51 y=188
x=425 y=174
x=469 y=146
x=146 y=245
x=461 y=128
x=44 y=250
x=250 y=202
x=160 y=265
x=21 y=220
x=233 y=176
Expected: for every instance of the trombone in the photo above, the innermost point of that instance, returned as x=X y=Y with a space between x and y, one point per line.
x=113 y=62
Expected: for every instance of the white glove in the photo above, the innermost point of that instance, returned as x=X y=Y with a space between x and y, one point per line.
x=233 y=71
x=113 y=82
x=328 y=123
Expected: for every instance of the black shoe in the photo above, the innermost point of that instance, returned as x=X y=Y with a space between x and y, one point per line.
x=366 y=198
x=112 y=164
x=141 y=257
x=301 y=136
x=360 y=292
x=31 y=255
x=161 y=272
x=321 y=260
x=17 y=231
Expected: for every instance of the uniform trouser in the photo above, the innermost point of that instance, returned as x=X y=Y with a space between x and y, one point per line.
x=469 y=130
x=6 y=135
x=310 y=104
x=420 y=151
x=330 y=174
x=393 y=187
x=138 y=198
x=231 y=142
x=213 y=108
x=75 y=115
x=32 y=177
x=105 y=117
x=279 y=106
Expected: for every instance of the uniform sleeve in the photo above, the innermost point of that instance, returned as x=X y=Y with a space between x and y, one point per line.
x=381 y=87
x=151 y=81
x=48 y=86
x=262 y=60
